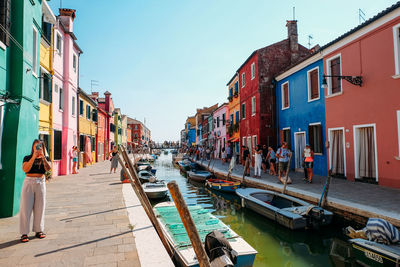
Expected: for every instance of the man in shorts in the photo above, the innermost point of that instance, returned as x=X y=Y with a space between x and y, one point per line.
x=283 y=154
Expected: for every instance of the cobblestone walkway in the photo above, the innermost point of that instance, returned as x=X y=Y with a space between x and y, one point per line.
x=86 y=224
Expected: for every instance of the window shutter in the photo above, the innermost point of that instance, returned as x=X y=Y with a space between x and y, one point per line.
x=286 y=95
x=335 y=71
x=311 y=136
x=5 y=20
x=314 y=84
x=320 y=144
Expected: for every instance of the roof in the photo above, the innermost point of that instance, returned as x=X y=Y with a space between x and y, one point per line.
x=233 y=77
x=134 y=121
x=86 y=96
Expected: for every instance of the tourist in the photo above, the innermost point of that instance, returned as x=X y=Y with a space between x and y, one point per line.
x=257 y=162
x=208 y=151
x=246 y=160
x=33 y=193
x=228 y=153
x=308 y=155
x=75 y=153
x=114 y=159
x=283 y=154
x=223 y=155
x=123 y=175
x=271 y=157
x=264 y=163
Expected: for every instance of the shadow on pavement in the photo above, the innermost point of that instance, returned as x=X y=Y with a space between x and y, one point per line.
x=95 y=213
x=10 y=243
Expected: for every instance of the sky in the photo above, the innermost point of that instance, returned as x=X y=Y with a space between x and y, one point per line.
x=162 y=59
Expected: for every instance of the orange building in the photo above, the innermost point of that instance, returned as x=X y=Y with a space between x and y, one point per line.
x=233 y=128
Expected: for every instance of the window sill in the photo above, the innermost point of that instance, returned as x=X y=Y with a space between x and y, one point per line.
x=397 y=76
x=61 y=110
x=312 y=100
x=333 y=95
x=397 y=158
x=318 y=154
x=253 y=114
x=3 y=46
x=44 y=102
x=285 y=108
x=34 y=74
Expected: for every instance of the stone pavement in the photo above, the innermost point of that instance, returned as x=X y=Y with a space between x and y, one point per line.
x=86 y=224
x=355 y=197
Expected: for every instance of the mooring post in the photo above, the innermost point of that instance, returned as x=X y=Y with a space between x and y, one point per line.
x=246 y=166
x=287 y=174
x=324 y=195
x=189 y=224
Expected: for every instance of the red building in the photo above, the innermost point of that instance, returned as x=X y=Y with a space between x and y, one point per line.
x=363 y=120
x=257 y=87
x=137 y=129
x=129 y=139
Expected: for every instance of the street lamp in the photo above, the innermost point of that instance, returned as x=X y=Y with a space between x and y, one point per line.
x=356 y=80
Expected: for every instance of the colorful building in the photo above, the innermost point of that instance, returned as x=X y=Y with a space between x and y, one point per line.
x=141 y=135
x=362 y=105
x=66 y=54
x=118 y=127
x=300 y=106
x=257 y=89
x=102 y=118
x=46 y=74
x=106 y=103
x=87 y=129
x=19 y=95
x=202 y=114
x=233 y=121
x=219 y=132
x=124 y=131
x=190 y=131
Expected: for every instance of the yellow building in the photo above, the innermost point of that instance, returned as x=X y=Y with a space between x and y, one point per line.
x=124 y=131
x=46 y=73
x=234 y=114
x=87 y=128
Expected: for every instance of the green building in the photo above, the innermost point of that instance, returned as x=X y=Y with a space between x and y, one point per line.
x=20 y=34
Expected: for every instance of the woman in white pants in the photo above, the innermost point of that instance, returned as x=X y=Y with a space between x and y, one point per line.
x=33 y=194
x=257 y=162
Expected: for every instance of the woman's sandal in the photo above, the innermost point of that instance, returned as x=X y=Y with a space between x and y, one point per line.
x=24 y=239
x=40 y=235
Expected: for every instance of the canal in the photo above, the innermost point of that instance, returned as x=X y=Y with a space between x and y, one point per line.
x=276 y=245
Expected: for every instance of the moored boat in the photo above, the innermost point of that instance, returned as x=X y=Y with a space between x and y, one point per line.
x=155 y=190
x=222 y=185
x=146 y=176
x=371 y=253
x=205 y=222
x=288 y=211
x=198 y=176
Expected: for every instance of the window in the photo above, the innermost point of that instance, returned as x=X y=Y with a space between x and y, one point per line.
x=34 y=51
x=81 y=143
x=45 y=87
x=236 y=88
x=253 y=106
x=57 y=145
x=104 y=124
x=285 y=95
x=243 y=80
x=58 y=43
x=334 y=69
x=93 y=144
x=237 y=117
x=5 y=20
x=46 y=30
x=396 y=43
x=46 y=140
x=285 y=136
x=253 y=71
x=73 y=106
x=243 y=110
x=315 y=137
x=88 y=114
x=231 y=116
x=217 y=122
x=313 y=84
x=254 y=141
x=136 y=127
x=61 y=99
x=231 y=92
x=223 y=119
x=80 y=107
x=398 y=127
x=244 y=141
x=74 y=62
x=94 y=115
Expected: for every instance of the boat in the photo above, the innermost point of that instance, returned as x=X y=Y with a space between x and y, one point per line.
x=288 y=211
x=370 y=253
x=155 y=190
x=175 y=233
x=198 y=176
x=146 y=176
x=165 y=152
x=222 y=185
x=183 y=165
x=174 y=152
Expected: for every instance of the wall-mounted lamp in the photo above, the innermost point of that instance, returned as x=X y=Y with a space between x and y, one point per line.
x=356 y=80
x=273 y=83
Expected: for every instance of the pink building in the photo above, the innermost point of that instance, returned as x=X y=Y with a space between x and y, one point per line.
x=65 y=87
x=219 y=132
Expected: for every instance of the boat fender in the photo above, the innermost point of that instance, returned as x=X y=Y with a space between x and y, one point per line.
x=219 y=187
x=242 y=202
x=219 y=250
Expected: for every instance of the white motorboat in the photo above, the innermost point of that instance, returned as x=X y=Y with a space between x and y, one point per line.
x=155 y=190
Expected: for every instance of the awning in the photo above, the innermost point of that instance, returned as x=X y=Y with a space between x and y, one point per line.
x=233 y=139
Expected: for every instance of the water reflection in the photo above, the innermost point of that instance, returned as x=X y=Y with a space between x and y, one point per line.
x=276 y=245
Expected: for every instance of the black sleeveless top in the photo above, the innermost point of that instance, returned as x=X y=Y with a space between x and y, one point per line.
x=37 y=166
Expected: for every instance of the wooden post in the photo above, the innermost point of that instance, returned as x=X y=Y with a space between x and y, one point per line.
x=137 y=187
x=324 y=195
x=246 y=165
x=287 y=174
x=189 y=224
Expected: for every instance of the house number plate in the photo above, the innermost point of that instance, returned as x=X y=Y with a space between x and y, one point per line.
x=373 y=256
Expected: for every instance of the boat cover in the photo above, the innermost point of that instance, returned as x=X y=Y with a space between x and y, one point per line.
x=218 y=250
x=381 y=231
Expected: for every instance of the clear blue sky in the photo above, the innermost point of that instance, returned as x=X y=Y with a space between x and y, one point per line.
x=163 y=59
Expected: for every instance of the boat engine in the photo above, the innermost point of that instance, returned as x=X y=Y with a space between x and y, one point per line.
x=219 y=251
x=316 y=215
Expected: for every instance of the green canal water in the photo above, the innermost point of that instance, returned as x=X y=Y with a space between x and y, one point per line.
x=276 y=245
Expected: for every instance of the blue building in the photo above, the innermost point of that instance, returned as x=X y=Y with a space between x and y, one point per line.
x=191 y=135
x=301 y=111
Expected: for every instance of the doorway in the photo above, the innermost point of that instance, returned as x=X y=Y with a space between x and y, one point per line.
x=337 y=155
x=299 y=145
x=365 y=155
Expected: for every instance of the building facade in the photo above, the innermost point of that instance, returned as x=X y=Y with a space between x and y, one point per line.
x=102 y=118
x=106 y=103
x=233 y=123
x=190 y=131
x=219 y=132
x=124 y=131
x=118 y=127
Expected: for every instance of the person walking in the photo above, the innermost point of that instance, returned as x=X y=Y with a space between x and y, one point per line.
x=271 y=157
x=283 y=154
x=223 y=155
x=257 y=162
x=308 y=155
x=114 y=159
x=33 y=193
x=246 y=160
x=228 y=153
x=75 y=153
x=264 y=163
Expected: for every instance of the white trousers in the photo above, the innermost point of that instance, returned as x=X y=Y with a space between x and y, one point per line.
x=257 y=167
x=33 y=198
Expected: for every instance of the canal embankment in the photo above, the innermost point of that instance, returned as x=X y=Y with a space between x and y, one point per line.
x=354 y=201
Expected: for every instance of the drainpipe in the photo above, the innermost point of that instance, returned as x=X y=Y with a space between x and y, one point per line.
x=51 y=104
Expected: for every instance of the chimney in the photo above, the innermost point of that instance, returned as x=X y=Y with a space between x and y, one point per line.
x=67 y=17
x=293 y=39
x=94 y=96
x=107 y=100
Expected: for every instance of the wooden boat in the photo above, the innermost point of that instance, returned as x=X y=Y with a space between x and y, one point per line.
x=176 y=235
x=288 y=211
x=198 y=176
x=370 y=253
x=183 y=165
x=222 y=185
x=146 y=176
x=165 y=152
x=155 y=190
